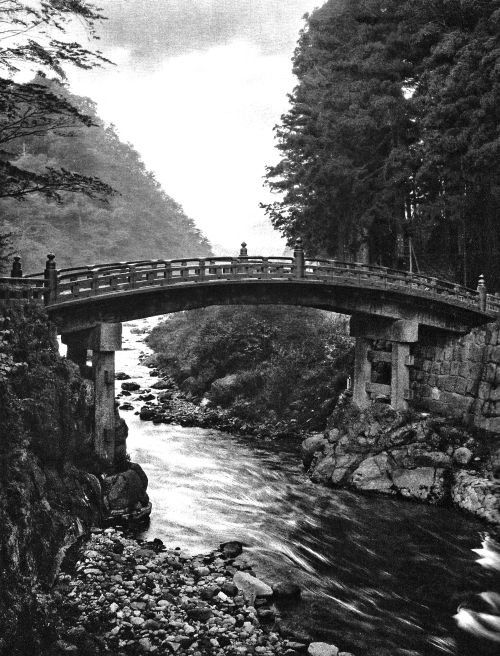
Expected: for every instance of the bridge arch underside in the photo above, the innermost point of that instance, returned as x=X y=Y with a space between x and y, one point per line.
x=87 y=312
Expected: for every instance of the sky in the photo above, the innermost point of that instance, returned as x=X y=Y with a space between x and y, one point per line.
x=197 y=87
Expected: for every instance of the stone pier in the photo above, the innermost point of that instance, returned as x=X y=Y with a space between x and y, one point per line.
x=400 y=334
x=103 y=341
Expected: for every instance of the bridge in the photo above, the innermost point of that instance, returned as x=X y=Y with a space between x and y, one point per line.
x=88 y=304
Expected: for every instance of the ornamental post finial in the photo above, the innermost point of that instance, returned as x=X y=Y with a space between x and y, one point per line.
x=243 y=250
x=481 y=289
x=298 y=256
x=17 y=269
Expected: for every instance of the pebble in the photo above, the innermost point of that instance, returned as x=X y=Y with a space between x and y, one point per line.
x=140 y=601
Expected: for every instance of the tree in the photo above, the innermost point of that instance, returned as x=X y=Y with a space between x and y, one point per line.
x=28 y=40
x=390 y=148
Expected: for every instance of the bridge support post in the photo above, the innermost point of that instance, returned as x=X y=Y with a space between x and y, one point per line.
x=362 y=372
x=105 y=340
x=400 y=375
x=400 y=333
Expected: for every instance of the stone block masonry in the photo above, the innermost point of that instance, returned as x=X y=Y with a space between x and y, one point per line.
x=459 y=376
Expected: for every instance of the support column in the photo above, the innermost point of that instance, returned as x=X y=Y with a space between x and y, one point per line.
x=362 y=372
x=105 y=340
x=103 y=367
x=400 y=375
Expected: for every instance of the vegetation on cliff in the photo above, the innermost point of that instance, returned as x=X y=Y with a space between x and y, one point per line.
x=140 y=221
x=46 y=500
x=262 y=363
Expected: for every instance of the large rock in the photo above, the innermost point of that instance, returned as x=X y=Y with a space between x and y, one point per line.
x=322 y=649
x=125 y=493
x=423 y=483
x=251 y=587
x=131 y=387
x=324 y=470
x=373 y=475
x=162 y=385
x=310 y=446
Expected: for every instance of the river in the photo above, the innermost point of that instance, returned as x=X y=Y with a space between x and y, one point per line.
x=379 y=576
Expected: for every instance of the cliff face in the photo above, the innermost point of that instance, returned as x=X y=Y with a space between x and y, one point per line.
x=49 y=492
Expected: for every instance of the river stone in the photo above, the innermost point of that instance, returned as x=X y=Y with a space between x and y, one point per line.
x=462 y=455
x=121 y=375
x=251 y=587
x=418 y=483
x=322 y=649
x=231 y=549
x=310 y=446
x=372 y=474
x=199 y=614
x=324 y=470
x=162 y=385
x=131 y=387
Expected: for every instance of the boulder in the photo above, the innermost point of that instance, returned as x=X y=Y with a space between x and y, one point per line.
x=121 y=375
x=372 y=475
x=231 y=549
x=131 y=387
x=324 y=470
x=146 y=413
x=251 y=587
x=310 y=446
x=322 y=649
x=162 y=385
x=125 y=493
x=422 y=483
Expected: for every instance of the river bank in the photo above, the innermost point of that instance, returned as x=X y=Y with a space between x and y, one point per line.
x=129 y=597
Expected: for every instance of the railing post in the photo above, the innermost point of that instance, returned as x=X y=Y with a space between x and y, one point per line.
x=50 y=276
x=481 y=289
x=243 y=251
x=298 y=256
x=17 y=269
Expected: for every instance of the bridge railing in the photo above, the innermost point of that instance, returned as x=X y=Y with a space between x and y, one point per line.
x=86 y=281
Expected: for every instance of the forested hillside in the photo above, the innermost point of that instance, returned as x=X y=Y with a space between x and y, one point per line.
x=139 y=220
x=391 y=147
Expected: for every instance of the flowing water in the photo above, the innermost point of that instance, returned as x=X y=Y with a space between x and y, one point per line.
x=379 y=577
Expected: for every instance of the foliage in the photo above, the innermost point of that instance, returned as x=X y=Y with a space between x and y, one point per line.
x=390 y=147
x=139 y=222
x=28 y=33
x=263 y=362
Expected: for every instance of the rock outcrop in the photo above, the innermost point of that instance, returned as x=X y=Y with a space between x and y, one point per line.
x=413 y=455
x=50 y=478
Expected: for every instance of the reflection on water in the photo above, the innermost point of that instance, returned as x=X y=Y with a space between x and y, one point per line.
x=380 y=577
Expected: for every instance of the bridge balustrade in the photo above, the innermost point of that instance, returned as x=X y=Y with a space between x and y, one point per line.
x=70 y=283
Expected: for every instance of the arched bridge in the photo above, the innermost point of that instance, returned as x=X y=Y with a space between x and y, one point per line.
x=88 y=304
x=80 y=298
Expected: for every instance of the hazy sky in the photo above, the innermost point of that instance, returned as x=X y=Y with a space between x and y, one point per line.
x=197 y=88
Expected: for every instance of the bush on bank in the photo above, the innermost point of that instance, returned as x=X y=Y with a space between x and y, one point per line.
x=262 y=363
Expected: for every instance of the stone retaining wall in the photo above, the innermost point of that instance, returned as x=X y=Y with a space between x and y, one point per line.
x=460 y=376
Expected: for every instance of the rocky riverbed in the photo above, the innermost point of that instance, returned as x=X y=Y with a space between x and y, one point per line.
x=129 y=597
x=164 y=403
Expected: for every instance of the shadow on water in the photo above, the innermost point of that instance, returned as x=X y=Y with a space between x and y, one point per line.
x=379 y=577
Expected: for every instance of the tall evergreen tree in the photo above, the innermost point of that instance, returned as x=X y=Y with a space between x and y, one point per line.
x=392 y=136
